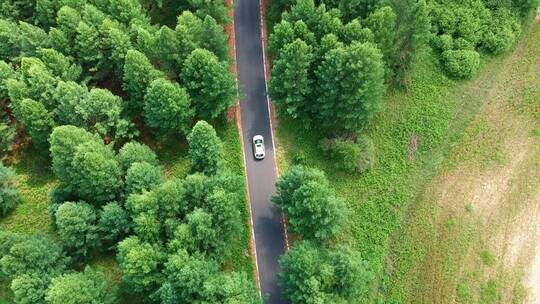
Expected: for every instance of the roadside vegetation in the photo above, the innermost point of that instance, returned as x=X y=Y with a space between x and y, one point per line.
x=402 y=135
x=123 y=181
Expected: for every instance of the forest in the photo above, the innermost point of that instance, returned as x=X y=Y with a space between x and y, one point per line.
x=81 y=83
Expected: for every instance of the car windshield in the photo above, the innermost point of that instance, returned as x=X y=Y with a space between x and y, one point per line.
x=258 y=141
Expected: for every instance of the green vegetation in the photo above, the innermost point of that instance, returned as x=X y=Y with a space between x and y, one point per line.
x=82 y=87
x=410 y=138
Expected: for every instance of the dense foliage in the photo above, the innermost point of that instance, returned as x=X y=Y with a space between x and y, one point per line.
x=9 y=194
x=81 y=81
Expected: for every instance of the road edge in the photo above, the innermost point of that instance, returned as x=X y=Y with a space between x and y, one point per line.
x=230 y=29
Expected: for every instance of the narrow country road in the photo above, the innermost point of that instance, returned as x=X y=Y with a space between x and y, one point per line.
x=267 y=225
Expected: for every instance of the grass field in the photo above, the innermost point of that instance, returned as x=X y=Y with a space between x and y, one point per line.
x=436 y=110
x=36 y=180
x=471 y=236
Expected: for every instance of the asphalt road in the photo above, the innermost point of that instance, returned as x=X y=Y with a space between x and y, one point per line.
x=267 y=225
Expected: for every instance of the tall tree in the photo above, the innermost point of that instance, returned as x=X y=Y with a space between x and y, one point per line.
x=77 y=227
x=205 y=149
x=37 y=121
x=290 y=86
x=138 y=75
x=167 y=107
x=210 y=83
x=311 y=207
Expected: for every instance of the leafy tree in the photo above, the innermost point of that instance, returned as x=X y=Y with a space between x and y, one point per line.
x=31 y=39
x=133 y=152
x=87 y=45
x=185 y=278
x=6 y=72
x=290 y=86
x=287 y=32
x=311 y=207
x=319 y=275
x=319 y=20
x=38 y=84
x=77 y=227
x=37 y=120
x=214 y=8
x=138 y=75
x=214 y=38
x=88 y=287
x=9 y=194
x=70 y=98
x=60 y=65
x=113 y=223
x=141 y=263
x=382 y=23
x=230 y=288
x=30 y=288
x=9 y=40
x=115 y=43
x=63 y=143
x=502 y=32
x=355 y=94
x=167 y=107
x=142 y=176
x=210 y=84
x=101 y=113
x=96 y=174
x=205 y=149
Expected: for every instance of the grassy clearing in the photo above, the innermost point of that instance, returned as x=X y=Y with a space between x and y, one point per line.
x=36 y=180
x=487 y=189
x=437 y=110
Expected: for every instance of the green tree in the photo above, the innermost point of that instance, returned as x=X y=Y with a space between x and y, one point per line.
x=60 y=65
x=30 y=288
x=142 y=176
x=355 y=95
x=88 y=287
x=138 y=75
x=77 y=227
x=34 y=254
x=37 y=83
x=167 y=107
x=9 y=193
x=63 y=143
x=231 y=288
x=210 y=84
x=31 y=39
x=311 y=207
x=96 y=174
x=113 y=224
x=37 y=120
x=205 y=149
x=185 y=278
x=133 y=152
x=140 y=263
x=382 y=22
x=290 y=86
x=310 y=274
x=115 y=43
x=9 y=40
x=69 y=96
x=214 y=8
x=87 y=45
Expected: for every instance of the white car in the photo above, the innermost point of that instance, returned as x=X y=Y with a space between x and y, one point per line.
x=258 y=146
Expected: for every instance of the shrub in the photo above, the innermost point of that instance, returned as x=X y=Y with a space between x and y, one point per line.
x=461 y=63
x=349 y=155
x=502 y=32
x=9 y=194
x=30 y=288
x=443 y=42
